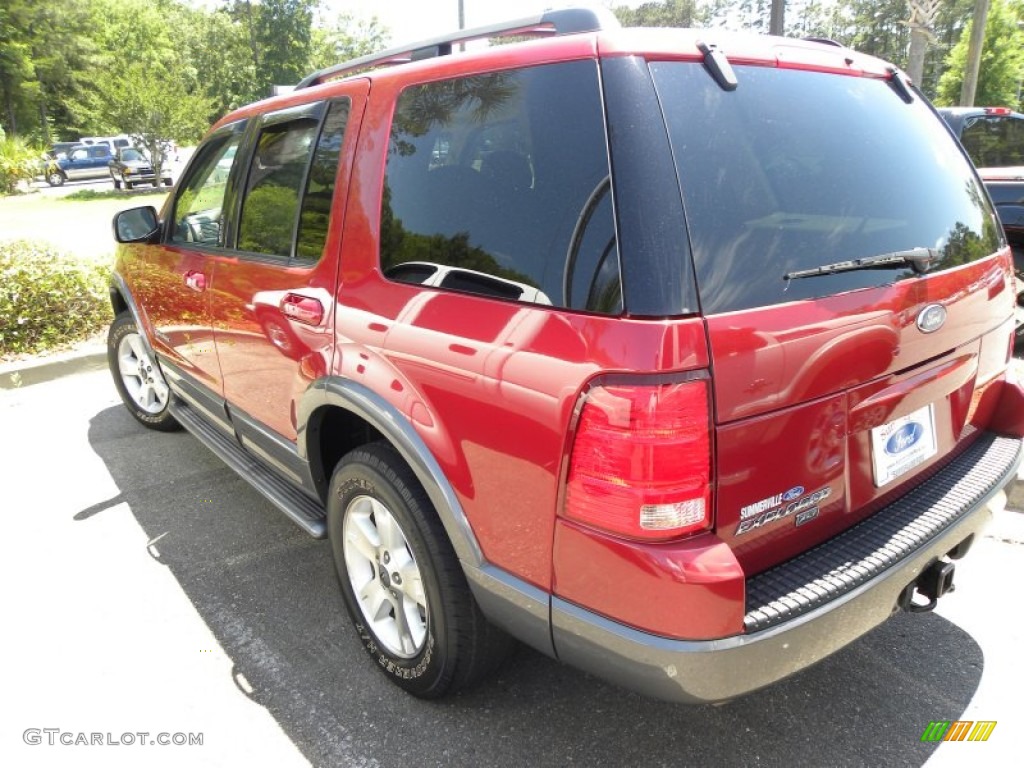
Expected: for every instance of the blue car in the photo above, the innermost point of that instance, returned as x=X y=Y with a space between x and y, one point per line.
x=80 y=162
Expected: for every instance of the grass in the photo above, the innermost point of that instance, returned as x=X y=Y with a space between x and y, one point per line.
x=113 y=194
x=80 y=227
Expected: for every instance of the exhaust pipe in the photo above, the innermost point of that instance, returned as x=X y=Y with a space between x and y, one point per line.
x=934 y=582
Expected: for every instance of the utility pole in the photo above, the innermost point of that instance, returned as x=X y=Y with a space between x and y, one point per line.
x=462 y=22
x=776 y=20
x=974 y=46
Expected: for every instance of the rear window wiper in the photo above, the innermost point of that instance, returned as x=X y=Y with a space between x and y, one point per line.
x=920 y=259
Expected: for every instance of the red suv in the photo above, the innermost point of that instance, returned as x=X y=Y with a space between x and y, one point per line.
x=679 y=356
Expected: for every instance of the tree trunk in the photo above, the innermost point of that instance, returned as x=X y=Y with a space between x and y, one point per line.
x=12 y=122
x=915 y=54
x=976 y=43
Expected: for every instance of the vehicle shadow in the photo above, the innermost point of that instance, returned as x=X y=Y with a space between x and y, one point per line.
x=268 y=594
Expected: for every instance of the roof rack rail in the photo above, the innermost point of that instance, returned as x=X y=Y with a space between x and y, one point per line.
x=562 y=21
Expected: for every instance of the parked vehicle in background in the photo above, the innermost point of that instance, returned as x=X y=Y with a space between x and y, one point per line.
x=80 y=162
x=130 y=166
x=674 y=354
x=60 y=148
x=993 y=137
x=112 y=143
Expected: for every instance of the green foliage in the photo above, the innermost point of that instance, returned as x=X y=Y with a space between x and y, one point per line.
x=63 y=62
x=282 y=31
x=48 y=299
x=155 y=106
x=267 y=220
x=111 y=194
x=346 y=38
x=666 y=13
x=1002 y=59
x=19 y=161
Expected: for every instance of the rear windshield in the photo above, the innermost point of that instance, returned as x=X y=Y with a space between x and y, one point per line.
x=795 y=170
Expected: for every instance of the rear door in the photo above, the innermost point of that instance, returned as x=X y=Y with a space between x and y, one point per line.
x=273 y=292
x=836 y=388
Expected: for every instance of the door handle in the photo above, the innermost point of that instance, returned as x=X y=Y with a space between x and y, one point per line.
x=302 y=309
x=195 y=280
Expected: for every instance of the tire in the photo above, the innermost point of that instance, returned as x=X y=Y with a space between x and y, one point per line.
x=117 y=184
x=138 y=379
x=129 y=184
x=402 y=583
x=55 y=179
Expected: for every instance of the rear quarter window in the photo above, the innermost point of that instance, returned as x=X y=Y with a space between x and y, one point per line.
x=497 y=185
x=795 y=170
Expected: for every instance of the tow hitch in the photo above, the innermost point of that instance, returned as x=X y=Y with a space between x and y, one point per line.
x=935 y=581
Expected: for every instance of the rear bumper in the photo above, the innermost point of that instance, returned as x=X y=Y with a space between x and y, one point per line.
x=803 y=622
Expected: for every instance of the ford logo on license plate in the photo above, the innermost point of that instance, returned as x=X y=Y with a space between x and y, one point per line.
x=904 y=438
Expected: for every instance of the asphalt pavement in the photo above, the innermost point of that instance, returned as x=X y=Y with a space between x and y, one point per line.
x=147 y=589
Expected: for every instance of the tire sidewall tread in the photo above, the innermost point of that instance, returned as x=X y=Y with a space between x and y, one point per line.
x=123 y=325
x=459 y=647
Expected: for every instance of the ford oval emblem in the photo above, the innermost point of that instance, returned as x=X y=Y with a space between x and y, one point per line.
x=931 y=318
x=904 y=438
x=793 y=493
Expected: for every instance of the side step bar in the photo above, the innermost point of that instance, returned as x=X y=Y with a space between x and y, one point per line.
x=304 y=511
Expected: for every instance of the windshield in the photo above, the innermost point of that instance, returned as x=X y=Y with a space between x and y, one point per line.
x=797 y=170
x=132 y=155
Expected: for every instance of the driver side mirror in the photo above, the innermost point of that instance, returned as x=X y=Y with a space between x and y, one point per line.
x=136 y=225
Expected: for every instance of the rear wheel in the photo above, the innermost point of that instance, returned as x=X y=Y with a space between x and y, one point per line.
x=402 y=583
x=137 y=376
x=117 y=184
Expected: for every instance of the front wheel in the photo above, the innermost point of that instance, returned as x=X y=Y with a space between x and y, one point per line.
x=55 y=179
x=137 y=376
x=402 y=583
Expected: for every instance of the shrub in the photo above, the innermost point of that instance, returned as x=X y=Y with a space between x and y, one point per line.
x=48 y=299
x=19 y=161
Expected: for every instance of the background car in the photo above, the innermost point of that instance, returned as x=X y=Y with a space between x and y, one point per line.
x=80 y=162
x=131 y=166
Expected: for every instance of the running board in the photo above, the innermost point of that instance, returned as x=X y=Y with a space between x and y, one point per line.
x=303 y=511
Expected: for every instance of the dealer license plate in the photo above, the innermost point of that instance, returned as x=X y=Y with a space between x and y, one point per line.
x=902 y=444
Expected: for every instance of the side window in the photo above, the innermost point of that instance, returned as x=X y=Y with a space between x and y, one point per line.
x=80 y=154
x=994 y=142
x=315 y=213
x=199 y=205
x=498 y=185
x=270 y=204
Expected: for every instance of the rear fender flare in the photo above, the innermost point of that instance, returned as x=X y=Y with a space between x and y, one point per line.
x=339 y=392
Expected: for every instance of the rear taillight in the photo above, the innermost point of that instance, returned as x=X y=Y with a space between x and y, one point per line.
x=641 y=460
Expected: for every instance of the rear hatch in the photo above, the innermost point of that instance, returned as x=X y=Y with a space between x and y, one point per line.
x=838 y=385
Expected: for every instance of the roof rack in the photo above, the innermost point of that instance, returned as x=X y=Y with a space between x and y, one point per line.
x=563 y=21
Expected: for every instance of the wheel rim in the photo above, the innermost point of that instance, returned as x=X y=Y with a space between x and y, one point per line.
x=384 y=576
x=140 y=375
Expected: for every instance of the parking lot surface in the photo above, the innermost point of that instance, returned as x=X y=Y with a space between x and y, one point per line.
x=147 y=589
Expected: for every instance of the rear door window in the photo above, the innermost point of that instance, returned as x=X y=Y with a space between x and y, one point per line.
x=796 y=170
x=286 y=205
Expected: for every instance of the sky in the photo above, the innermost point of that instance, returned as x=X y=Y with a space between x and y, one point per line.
x=413 y=20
